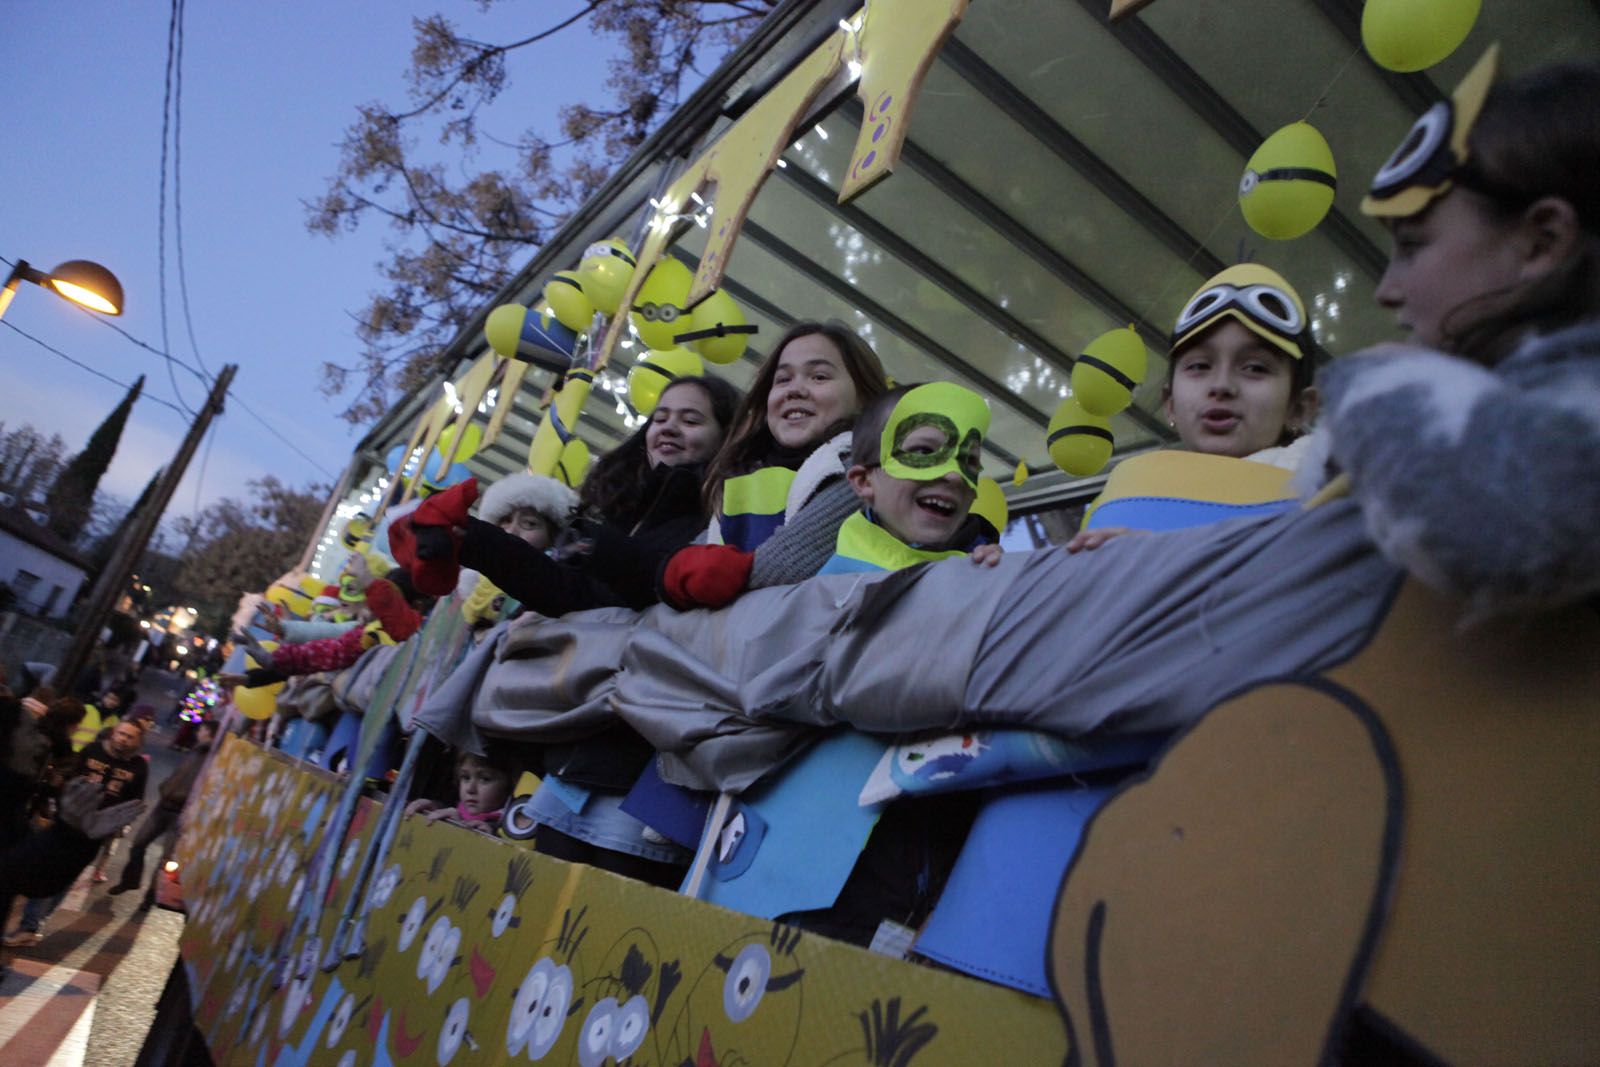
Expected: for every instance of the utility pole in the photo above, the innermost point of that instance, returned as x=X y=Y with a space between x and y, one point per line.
x=113 y=580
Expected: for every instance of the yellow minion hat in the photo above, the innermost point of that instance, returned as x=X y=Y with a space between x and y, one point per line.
x=1426 y=164
x=1258 y=298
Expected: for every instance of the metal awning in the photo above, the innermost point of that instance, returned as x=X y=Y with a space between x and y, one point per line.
x=1064 y=176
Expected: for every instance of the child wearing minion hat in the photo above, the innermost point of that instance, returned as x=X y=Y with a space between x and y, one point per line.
x=1239 y=394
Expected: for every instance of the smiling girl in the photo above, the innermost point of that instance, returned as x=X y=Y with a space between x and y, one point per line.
x=639 y=505
x=777 y=489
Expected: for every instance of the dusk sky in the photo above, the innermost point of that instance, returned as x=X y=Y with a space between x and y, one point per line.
x=268 y=90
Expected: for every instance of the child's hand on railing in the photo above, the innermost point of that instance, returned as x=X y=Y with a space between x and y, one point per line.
x=987 y=555
x=1089 y=540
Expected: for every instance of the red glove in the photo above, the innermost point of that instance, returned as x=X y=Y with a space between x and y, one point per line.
x=426 y=543
x=706 y=576
x=448 y=508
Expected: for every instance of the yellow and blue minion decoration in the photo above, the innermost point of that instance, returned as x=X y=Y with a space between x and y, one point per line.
x=658 y=313
x=1258 y=298
x=357 y=532
x=1434 y=154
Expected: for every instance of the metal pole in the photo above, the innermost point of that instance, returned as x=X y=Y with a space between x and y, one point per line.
x=114 y=578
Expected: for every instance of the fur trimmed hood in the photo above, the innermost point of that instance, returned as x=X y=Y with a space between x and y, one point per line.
x=545 y=495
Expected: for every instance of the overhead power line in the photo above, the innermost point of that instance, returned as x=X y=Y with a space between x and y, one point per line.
x=84 y=366
x=161 y=202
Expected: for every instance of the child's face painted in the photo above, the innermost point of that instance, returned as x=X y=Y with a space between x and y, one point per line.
x=529 y=525
x=481 y=787
x=811 y=391
x=683 y=428
x=1442 y=259
x=1230 y=392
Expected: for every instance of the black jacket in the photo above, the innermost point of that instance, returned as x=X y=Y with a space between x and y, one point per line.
x=600 y=564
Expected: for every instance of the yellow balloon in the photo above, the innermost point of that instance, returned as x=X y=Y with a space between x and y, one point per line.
x=573 y=463
x=1288 y=185
x=658 y=313
x=717 y=329
x=471 y=441
x=991 y=505
x=1079 y=443
x=257 y=703
x=1110 y=369
x=503 y=329
x=655 y=372
x=1411 y=35
x=605 y=271
x=565 y=294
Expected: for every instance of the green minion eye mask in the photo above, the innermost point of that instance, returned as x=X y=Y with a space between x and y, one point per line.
x=959 y=418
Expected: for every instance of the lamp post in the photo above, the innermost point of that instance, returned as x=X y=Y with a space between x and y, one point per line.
x=78 y=280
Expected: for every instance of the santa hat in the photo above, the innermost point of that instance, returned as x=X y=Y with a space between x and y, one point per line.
x=552 y=500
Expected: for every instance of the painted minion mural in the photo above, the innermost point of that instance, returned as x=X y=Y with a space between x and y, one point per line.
x=629 y=994
x=758 y=974
x=551 y=992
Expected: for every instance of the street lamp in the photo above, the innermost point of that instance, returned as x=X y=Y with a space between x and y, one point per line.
x=78 y=280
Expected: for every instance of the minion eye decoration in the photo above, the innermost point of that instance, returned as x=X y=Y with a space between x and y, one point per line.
x=960 y=419
x=1433 y=155
x=1288 y=185
x=1255 y=296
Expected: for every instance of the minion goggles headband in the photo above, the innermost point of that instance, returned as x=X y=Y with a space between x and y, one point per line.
x=1266 y=305
x=1433 y=155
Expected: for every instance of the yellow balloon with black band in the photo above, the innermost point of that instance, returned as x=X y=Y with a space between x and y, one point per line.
x=565 y=294
x=1111 y=367
x=1413 y=35
x=1079 y=442
x=717 y=329
x=257 y=703
x=651 y=376
x=574 y=463
x=605 y=271
x=1288 y=184
x=658 y=313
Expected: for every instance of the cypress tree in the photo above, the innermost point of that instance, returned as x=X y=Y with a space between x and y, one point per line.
x=69 y=499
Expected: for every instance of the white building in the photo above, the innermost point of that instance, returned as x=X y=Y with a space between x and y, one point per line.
x=42 y=570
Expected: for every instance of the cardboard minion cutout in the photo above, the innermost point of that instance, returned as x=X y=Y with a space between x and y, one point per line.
x=1433 y=155
x=960 y=417
x=1258 y=298
x=1393 y=858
